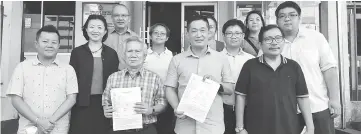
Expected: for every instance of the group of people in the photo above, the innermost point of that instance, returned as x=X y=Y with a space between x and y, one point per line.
x=274 y=79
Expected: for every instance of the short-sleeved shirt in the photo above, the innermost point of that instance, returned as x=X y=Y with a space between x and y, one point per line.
x=158 y=63
x=312 y=52
x=271 y=95
x=180 y=69
x=44 y=89
x=149 y=82
x=115 y=40
x=236 y=63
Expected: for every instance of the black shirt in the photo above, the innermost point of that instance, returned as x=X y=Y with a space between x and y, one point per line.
x=271 y=95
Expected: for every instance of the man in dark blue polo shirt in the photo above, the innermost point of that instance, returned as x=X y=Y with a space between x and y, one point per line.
x=273 y=86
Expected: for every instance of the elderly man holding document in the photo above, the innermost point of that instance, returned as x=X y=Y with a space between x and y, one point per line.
x=144 y=87
x=201 y=61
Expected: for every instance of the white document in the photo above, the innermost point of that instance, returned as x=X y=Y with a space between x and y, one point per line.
x=123 y=102
x=198 y=97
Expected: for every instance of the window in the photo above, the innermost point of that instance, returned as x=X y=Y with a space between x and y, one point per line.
x=39 y=13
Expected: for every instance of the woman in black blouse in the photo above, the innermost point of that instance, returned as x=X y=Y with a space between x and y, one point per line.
x=254 y=22
x=93 y=63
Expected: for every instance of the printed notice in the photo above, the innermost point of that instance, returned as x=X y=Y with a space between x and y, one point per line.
x=123 y=101
x=198 y=97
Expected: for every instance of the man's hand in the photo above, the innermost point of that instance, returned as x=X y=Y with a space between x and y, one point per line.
x=142 y=108
x=108 y=111
x=309 y=131
x=243 y=132
x=45 y=125
x=335 y=108
x=179 y=114
x=210 y=77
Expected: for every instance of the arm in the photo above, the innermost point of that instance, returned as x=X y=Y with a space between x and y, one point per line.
x=304 y=105
x=227 y=79
x=328 y=66
x=160 y=99
x=64 y=108
x=172 y=96
x=331 y=79
x=240 y=104
x=23 y=108
x=71 y=92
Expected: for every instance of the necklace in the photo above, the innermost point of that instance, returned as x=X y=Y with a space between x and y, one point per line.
x=97 y=50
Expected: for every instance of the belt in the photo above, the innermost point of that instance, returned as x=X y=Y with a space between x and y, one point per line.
x=145 y=126
x=228 y=106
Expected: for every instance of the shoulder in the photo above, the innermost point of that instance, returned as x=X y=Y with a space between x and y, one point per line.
x=116 y=74
x=109 y=49
x=79 y=48
x=293 y=63
x=248 y=56
x=310 y=33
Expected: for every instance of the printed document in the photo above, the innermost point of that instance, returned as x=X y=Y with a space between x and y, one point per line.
x=123 y=101
x=198 y=97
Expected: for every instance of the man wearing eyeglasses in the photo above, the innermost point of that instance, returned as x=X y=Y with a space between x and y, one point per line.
x=233 y=36
x=121 y=19
x=271 y=86
x=312 y=51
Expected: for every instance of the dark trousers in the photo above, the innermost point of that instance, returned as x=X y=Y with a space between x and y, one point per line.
x=229 y=119
x=323 y=122
x=150 y=129
x=166 y=121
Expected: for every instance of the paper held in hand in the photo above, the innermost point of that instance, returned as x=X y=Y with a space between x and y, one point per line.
x=198 y=97
x=123 y=101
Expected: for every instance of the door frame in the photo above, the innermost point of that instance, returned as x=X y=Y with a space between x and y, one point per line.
x=183 y=33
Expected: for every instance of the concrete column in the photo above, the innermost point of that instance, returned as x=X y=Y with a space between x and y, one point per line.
x=11 y=43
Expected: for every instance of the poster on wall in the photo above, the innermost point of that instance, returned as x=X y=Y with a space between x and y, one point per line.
x=242 y=13
x=104 y=9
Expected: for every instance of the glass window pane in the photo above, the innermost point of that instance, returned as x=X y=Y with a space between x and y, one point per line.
x=63 y=20
x=31 y=24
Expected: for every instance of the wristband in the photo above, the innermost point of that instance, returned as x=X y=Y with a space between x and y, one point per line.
x=220 y=88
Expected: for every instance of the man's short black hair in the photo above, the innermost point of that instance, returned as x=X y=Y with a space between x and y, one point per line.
x=151 y=29
x=49 y=29
x=214 y=20
x=289 y=4
x=95 y=17
x=267 y=28
x=233 y=22
x=195 y=18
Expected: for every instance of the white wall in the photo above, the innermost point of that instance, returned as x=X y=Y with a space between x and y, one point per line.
x=11 y=47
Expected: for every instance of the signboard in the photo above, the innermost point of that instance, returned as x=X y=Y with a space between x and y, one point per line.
x=104 y=9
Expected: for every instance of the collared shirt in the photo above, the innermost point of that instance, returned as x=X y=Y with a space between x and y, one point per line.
x=236 y=62
x=180 y=69
x=311 y=50
x=115 y=41
x=150 y=83
x=44 y=89
x=271 y=95
x=158 y=63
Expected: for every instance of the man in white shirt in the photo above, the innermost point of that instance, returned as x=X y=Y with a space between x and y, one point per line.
x=233 y=36
x=312 y=51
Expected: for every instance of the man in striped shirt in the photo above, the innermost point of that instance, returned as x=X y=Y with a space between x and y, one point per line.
x=134 y=75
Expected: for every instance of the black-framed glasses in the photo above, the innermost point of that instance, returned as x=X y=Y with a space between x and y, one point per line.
x=270 y=39
x=284 y=16
x=237 y=34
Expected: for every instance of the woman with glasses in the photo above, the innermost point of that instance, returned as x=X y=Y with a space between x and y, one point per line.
x=158 y=60
x=273 y=87
x=254 y=22
x=93 y=62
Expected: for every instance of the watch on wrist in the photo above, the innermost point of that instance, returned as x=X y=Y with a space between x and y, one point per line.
x=239 y=129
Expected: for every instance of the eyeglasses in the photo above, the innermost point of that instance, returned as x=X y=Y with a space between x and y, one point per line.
x=159 y=33
x=284 y=16
x=121 y=15
x=237 y=34
x=270 y=39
